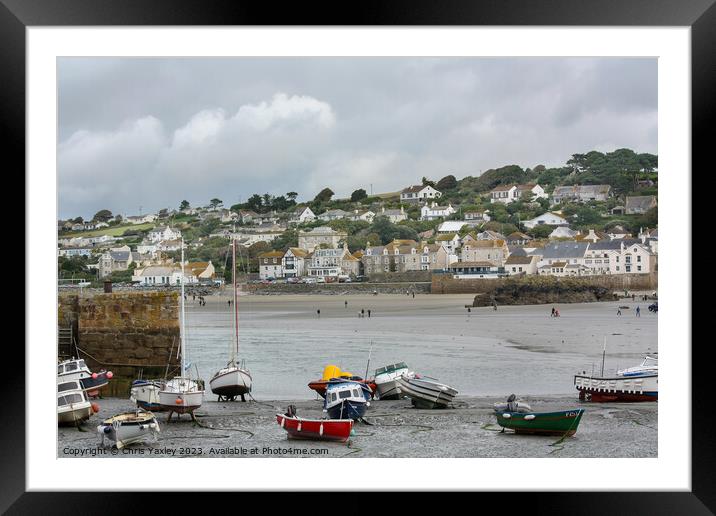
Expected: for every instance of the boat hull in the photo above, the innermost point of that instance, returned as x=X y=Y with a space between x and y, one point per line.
x=347 y=409
x=389 y=390
x=316 y=429
x=426 y=394
x=562 y=423
x=75 y=414
x=636 y=388
x=231 y=383
x=128 y=428
x=181 y=396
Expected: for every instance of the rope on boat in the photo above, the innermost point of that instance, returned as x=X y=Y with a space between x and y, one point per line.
x=487 y=426
x=642 y=424
x=262 y=402
x=354 y=448
x=558 y=443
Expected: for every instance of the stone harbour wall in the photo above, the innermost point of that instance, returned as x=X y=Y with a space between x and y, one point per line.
x=128 y=333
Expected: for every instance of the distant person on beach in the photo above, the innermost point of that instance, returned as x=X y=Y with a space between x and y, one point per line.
x=362 y=312
x=552 y=314
x=619 y=311
x=369 y=313
x=318 y=313
x=638 y=311
x=494 y=304
x=632 y=297
x=413 y=294
x=556 y=313
x=346 y=303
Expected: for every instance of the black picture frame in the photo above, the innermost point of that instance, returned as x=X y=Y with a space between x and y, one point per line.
x=700 y=15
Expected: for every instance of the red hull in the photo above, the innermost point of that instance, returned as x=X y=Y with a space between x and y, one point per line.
x=605 y=397
x=320 y=386
x=316 y=429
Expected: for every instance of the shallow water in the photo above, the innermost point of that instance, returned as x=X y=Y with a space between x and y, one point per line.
x=516 y=349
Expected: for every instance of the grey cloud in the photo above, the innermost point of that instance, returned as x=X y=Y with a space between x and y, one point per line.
x=151 y=132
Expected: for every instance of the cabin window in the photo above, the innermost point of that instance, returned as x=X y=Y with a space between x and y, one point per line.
x=66 y=386
x=60 y=369
x=82 y=364
x=344 y=394
x=356 y=393
x=72 y=366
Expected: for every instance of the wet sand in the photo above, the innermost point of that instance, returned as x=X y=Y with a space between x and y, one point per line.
x=468 y=430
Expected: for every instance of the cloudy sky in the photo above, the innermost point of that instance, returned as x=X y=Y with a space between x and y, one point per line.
x=137 y=132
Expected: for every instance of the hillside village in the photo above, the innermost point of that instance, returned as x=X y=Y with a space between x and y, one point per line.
x=596 y=215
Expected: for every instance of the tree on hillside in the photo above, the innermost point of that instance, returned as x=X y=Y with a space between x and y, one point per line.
x=78 y=220
x=255 y=203
x=102 y=216
x=184 y=205
x=447 y=183
x=540 y=231
x=163 y=213
x=214 y=203
x=358 y=195
x=428 y=182
x=291 y=196
x=324 y=195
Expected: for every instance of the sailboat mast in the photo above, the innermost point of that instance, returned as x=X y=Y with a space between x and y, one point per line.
x=182 y=330
x=604 y=353
x=235 y=351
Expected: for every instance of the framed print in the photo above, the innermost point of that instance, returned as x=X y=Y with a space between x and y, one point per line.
x=421 y=242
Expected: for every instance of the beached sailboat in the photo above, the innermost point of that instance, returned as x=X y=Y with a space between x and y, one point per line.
x=234 y=379
x=315 y=429
x=181 y=394
x=639 y=383
x=562 y=422
x=73 y=407
x=128 y=427
x=385 y=380
x=76 y=369
x=346 y=399
x=426 y=392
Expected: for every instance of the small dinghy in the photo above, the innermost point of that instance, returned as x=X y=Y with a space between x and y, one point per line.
x=128 y=428
x=346 y=399
x=426 y=392
x=315 y=429
x=73 y=407
x=385 y=383
x=519 y=417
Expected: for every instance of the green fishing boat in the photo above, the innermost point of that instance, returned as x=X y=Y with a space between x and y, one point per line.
x=563 y=422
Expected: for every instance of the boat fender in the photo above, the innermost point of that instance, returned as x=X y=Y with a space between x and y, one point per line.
x=299 y=426
x=529 y=417
x=320 y=430
x=506 y=416
x=367 y=404
x=283 y=421
x=109 y=375
x=178 y=401
x=107 y=429
x=94 y=376
x=324 y=410
x=95 y=407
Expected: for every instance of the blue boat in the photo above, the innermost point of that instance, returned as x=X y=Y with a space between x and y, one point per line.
x=346 y=399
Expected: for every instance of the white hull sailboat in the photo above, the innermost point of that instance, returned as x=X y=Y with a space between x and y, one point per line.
x=181 y=395
x=234 y=379
x=128 y=428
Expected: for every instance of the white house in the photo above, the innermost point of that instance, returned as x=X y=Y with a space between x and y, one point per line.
x=271 y=265
x=640 y=204
x=321 y=235
x=364 y=215
x=419 y=193
x=549 y=218
x=333 y=215
x=74 y=251
x=293 y=262
x=507 y=194
x=140 y=219
x=434 y=211
x=302 y=214
x=477 y=216
x=163 y=233
x=516 y=265
x=449 y=241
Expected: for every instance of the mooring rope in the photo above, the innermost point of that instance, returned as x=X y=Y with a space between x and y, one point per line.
x=209 y=427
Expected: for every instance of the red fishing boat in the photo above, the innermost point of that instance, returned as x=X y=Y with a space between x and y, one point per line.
x=330 y=372
x=316 y=429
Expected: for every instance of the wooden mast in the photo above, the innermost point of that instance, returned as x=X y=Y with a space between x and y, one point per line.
x=235 y=352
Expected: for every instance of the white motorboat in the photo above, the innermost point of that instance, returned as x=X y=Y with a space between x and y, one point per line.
x=385 y=380
x=128 y=427
x=73 y=407
x=181 y=394
x=649 y=366
x=76 y=369
x=426 y=392
x=145 y=393
x=234 y=379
